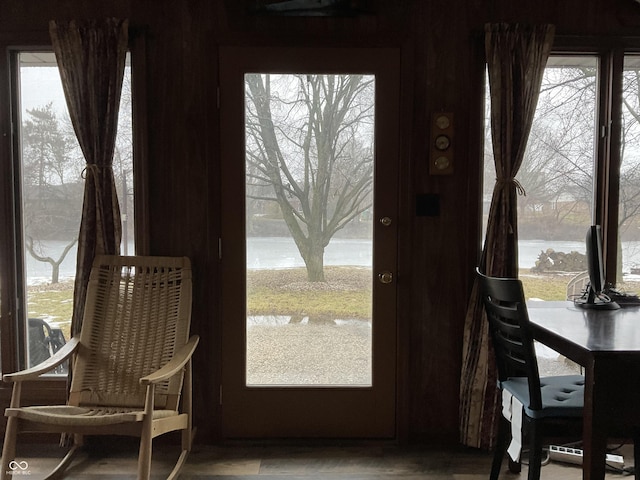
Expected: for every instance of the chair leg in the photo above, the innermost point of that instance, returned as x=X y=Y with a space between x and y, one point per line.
x=535 y=454
x=58 y=472
x=515 y=467
x=187 y=443
x=182 y=459
x=144 y=456
x=9 y=447
x=146 y=437
x=636 y=453
x=500 y=449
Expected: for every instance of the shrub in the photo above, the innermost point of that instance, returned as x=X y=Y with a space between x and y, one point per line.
x=552 y=261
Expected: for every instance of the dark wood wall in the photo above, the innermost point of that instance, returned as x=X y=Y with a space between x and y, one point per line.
x=443 y=70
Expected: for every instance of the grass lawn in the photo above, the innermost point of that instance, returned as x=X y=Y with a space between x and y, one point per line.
x=52 y=303
x=346 y=294
x=554 y=286
x=545 y=287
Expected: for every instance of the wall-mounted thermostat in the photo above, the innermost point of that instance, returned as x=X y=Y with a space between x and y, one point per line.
x=441 y=144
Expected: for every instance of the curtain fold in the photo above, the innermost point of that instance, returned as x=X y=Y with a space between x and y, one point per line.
x=516 y=58
x=91 y=59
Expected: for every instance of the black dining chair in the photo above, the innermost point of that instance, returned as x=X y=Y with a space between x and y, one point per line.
x=551 y=406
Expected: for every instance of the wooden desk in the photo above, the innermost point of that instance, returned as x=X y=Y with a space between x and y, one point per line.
x=607 y=344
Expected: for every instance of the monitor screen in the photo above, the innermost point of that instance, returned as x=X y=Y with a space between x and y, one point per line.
x=595 y=298
x=595 y=265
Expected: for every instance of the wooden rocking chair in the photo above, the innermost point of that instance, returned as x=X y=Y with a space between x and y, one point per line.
x=131 y=363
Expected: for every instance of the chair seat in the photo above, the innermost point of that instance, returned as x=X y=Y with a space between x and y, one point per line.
x=562 y=396
x=82 y=416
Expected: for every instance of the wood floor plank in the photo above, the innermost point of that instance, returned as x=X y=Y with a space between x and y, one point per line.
x=293 y=462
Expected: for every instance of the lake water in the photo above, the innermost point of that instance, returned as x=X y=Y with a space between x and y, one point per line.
x=281 y=252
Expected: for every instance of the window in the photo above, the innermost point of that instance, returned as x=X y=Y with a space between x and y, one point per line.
x=49 y=194
x=571 y=140
x=628 y=266
x=581 y=167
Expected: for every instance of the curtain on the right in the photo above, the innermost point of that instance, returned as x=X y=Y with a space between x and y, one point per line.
x=516 y=58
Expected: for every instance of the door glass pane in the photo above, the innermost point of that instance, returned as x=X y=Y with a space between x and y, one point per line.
x=628 y=274
x=52 y=190
x=309 y=141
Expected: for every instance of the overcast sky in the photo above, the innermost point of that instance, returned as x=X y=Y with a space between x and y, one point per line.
x=41 y=85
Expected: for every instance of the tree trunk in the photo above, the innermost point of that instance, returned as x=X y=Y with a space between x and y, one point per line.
x=314 y=261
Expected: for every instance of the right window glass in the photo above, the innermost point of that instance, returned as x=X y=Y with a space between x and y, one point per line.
x=628 y=265
x=557 y=176
x=583 y=149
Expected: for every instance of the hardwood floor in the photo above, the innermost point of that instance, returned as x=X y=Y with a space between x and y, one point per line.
x=293 y=462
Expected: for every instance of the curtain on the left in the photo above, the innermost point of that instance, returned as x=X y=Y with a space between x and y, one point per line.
x=91 y=58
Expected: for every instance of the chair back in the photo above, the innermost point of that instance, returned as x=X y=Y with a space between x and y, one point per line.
x=137 y=314
x=577 y=286
x=511 y=338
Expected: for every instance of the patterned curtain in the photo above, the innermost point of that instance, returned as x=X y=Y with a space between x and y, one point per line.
x=91 y=59
x=516 y=58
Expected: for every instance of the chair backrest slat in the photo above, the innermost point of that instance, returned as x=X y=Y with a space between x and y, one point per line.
x=137 y=314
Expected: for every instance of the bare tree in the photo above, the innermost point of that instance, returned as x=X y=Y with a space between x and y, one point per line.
x=630 y=167
x=310 y=150
x=560 y=154
x=52 y=191
x=557 y=170
x=52 y=167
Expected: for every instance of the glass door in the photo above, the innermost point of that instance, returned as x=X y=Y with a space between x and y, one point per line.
x=308 y=244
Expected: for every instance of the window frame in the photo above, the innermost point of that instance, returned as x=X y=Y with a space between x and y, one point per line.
x=12 y=285
x=610 y=52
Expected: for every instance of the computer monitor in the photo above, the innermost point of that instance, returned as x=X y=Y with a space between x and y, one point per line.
x=595 y=297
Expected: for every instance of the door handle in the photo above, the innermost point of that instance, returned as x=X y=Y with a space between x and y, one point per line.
x=385 y=277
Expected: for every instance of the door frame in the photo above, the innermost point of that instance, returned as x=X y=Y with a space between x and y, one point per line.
x=386 y=64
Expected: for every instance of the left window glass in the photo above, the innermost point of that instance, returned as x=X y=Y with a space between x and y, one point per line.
x=51 y=185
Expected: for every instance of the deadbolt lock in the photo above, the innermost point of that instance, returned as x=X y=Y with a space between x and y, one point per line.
x=385 y=277
x=386 y=221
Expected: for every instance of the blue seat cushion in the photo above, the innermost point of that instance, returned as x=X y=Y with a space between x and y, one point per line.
x=562 y=396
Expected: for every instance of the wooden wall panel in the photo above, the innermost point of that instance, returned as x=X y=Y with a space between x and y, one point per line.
x=181 y=63
x=32 y=16
x=446 y=48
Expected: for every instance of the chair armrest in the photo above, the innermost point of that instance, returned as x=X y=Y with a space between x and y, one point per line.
x=173 y=366
x=49 y=364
